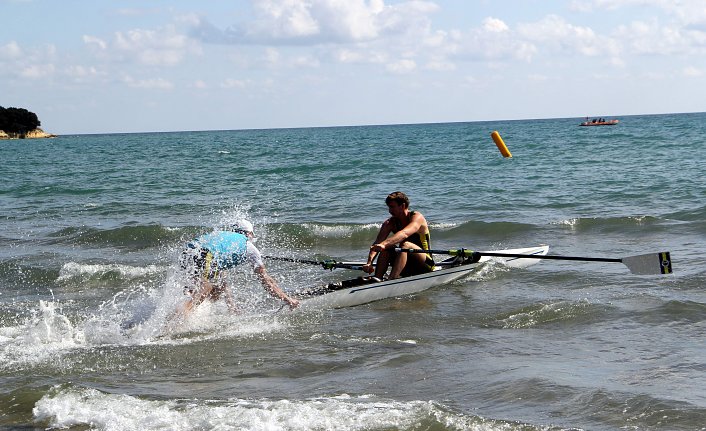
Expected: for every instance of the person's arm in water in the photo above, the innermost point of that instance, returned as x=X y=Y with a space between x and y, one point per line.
x=271 y=287
x=229 y=299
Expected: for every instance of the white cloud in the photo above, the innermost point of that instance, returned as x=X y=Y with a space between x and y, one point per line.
x=154 y=83
x=272 y=56
x=693 y=72
x=28 y=63
x=306 y=61
x=555 y=33
x=95 y=42
x=10 y=51
x=161 y=47
x=652 y=38
x=402 y=66
x=494 y=25
x=234 y=83
x=440 y=66
x=538 y=78
x=300 y=22
x=687 y=12
x=38 y=71
x=82 y=73
x=339 y=20
x=493 y=40
x=165 y=47
x=349 y=56
x=137 y=12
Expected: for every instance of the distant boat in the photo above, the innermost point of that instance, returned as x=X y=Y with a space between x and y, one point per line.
x=599 y=122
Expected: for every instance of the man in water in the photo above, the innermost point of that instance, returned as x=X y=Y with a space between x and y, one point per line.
x=208 y=257
x=405 y=229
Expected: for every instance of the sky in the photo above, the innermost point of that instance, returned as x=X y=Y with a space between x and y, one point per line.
x=174 y=65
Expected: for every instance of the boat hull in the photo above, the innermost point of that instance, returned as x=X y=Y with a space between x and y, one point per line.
x=365 y=293
x=600 y=123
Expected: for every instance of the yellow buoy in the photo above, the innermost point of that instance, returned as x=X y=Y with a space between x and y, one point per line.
x=501 y=145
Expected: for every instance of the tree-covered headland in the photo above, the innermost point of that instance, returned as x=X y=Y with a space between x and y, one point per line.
x=19 y=122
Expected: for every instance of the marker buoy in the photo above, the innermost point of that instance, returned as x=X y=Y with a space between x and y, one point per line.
x=501 y=145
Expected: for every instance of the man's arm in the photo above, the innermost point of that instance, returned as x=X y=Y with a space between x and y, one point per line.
x=407 y=231
x=384 y=231
x=271 y=286
x=230 y=300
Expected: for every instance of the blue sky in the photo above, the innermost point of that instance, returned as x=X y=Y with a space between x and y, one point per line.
x=139 y=66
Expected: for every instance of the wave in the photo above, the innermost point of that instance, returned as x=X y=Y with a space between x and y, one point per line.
x=606 y=409
x=332 y=239
x=104 y=272
x=364 y=234
x=15 y=273
x=674 y=311
x=129 y=237
x=536 y=315
x=312 y=234
x=69 y=406
x=138 y=237
x=52 y=190
x=609 y=224
x=20 y=278
x=641 y=411
x=696 y=214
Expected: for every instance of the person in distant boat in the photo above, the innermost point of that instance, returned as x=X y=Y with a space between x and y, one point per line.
x=405 y=229
x=208 y=257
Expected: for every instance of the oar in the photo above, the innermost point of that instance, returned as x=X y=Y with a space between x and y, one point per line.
x=326 y=264
x=651 y=263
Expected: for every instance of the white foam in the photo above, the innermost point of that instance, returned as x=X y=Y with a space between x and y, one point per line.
x=443 y=225
x=338 y=231
x=67 y=407
x=73 y=269
x=40 y=338
x=573 y=222
x=49 y=334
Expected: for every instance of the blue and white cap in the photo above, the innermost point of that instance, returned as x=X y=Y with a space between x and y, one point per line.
x=242 y=225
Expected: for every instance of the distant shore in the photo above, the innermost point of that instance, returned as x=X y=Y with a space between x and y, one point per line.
x=32 y=134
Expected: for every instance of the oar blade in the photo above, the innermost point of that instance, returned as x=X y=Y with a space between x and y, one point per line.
x=649 y=264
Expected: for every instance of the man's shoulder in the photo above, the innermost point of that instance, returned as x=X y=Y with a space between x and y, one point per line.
x=390 y=221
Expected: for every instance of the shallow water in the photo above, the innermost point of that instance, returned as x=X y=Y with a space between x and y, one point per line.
x=92 y=226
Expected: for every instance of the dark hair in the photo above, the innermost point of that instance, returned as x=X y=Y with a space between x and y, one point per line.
x=398 y=197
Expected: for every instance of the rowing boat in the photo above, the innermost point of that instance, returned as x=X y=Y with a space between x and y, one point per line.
x=600 y=123
x=359 y=291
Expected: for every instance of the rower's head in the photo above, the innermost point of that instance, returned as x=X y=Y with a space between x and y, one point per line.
x=397 y=204
x=243 y=226
x=398 y=197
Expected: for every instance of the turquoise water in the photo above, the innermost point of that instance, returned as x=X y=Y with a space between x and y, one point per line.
x=92 y=225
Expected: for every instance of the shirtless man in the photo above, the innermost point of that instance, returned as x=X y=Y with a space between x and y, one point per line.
x=405 y=229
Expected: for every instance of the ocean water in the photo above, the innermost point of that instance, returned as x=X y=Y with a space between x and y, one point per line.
x=91 y=227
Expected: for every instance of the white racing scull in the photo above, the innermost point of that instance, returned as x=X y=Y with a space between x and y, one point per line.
x=359 y=291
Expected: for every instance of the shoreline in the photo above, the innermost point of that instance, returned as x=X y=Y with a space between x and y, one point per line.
x=32 y=134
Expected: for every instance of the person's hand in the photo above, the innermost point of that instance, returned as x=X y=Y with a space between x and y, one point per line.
x=377 y=247
x=368 y=267
x=293 y=303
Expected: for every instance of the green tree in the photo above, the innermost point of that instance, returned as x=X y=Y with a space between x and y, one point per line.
x=18 y=120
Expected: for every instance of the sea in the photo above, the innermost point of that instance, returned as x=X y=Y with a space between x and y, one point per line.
x=92 y=226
